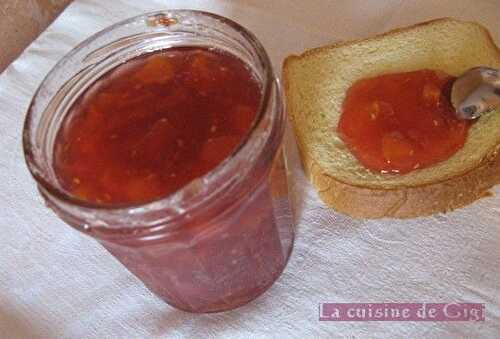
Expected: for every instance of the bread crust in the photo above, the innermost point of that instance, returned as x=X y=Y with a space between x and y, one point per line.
x=382 y=35
x=401 y=202
x=404 y=202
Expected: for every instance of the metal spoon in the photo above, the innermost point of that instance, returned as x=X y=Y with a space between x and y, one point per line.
x=475 y=92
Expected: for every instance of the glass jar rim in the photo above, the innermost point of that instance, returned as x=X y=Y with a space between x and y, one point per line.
x=62 y=196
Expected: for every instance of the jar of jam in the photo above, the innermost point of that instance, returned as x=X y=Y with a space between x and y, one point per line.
x=161 y=138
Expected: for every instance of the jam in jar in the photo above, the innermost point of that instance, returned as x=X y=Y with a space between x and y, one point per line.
x=167 y=150
x=153 y=124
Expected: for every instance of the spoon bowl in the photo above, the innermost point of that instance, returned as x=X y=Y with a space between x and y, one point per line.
x=475 y=92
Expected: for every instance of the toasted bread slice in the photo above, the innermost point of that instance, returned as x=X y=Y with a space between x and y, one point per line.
x=315 y=86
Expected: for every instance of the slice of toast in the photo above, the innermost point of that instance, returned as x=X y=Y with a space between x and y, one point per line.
x=315 y=86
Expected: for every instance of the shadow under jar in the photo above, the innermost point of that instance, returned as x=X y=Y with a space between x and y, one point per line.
x=206 y=231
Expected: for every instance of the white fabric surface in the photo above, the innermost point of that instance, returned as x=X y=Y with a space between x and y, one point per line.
x=57 y=283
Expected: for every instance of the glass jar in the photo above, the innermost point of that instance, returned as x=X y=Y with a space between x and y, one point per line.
x=221 y=240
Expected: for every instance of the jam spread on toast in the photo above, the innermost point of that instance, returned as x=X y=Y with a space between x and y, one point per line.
x=397 y=123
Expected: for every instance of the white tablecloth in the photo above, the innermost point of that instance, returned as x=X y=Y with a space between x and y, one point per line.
x=57 y=283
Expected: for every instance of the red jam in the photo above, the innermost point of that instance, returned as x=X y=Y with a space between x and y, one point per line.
x=153 y=124
x=396 y=123
x=147 y=128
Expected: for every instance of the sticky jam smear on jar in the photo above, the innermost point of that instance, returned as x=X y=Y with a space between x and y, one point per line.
x=397 y=123
x=154 y=123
